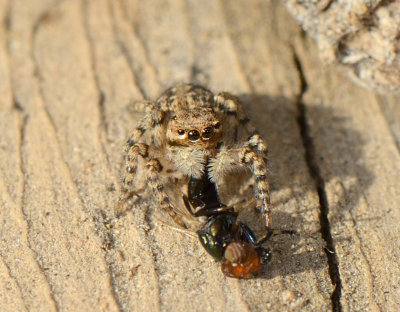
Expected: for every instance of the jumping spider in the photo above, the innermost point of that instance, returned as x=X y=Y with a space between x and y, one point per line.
x=189 y=132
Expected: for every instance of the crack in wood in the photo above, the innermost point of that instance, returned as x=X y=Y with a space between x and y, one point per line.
x=101 y=103
x=108 y=241
x=234 y=50
x=369 y=268
x=25 y=215
x=7 y=19
x=125 y=52
x=13 y=277
x=311 y=156
x=150 y=239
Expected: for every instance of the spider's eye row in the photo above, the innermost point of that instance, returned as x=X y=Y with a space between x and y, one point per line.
x=181 y=131
x=193 y=135
x=217 y=125
x=207 y=133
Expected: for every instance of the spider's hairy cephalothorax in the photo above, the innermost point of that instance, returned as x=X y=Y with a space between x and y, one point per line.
x=190 y=133
x=199 y=128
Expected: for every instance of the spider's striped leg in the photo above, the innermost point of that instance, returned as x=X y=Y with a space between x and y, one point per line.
x=153 y=168
x=134 y=148
x=231 y=106
x=257 y=164
x=129 y=170
x=254 y=152
x=154 y=117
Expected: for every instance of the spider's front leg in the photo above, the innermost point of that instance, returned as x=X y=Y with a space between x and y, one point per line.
x=251 y=157
x=253 y=153
x=153 y=169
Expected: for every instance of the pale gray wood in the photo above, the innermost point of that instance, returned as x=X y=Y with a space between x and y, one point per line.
x=71 y=74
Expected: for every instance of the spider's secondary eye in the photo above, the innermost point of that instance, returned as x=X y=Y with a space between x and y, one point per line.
x=207 y=133
x=217 y=125
x=194 y=135
x=181 y=131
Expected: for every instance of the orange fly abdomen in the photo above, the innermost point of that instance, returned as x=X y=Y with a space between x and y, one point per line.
x=240 y=260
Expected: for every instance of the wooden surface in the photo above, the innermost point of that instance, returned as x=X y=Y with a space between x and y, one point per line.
x=70 y=73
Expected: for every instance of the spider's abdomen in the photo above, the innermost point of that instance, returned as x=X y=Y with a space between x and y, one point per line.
x=186 y=96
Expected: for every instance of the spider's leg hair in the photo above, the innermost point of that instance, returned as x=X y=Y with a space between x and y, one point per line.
x=244 y=206
x=187 y=232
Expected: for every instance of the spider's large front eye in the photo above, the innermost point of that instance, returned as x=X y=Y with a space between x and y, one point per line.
x=193 y=135
x=181 y=131
x=207 y=133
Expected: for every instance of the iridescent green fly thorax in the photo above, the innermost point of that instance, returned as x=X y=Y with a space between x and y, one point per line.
x=217 y=233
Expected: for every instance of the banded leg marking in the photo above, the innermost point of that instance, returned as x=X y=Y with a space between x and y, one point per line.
x=153 y=168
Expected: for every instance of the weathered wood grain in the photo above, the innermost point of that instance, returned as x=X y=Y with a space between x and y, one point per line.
x=358 y=166
x=71 y=73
